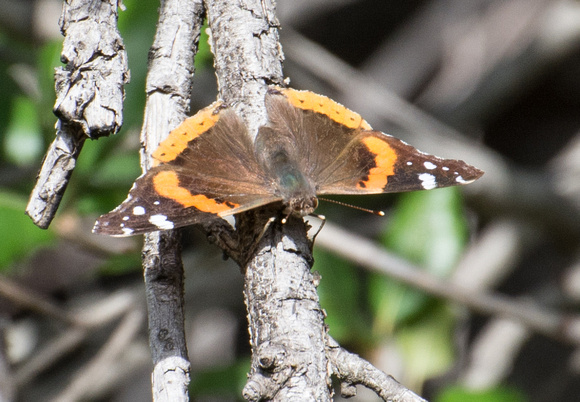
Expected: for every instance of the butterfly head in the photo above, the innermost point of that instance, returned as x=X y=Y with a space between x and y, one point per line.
x=301 y=206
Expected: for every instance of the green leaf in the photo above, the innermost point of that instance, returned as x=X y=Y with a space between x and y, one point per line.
x=204 y=56
x=18 y=235
x=427 y=346
x=429 y=229
x=339 y=291
x=23 y=143
x=498 y=394
x=47 y=59
x=117 y=170
x=121 y=264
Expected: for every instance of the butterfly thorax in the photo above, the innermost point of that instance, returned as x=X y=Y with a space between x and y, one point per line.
x=297 y=191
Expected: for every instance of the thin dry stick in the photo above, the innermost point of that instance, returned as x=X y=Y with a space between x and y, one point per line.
x=7 y=385
x=96 y=315
x=23 y=297
x=169 y=83
x=375 y=258
x=89 y=100
x=351 y=370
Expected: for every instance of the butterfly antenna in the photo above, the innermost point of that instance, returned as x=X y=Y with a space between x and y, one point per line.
x=344 y=204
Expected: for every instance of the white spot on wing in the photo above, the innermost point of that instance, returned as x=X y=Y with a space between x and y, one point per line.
x=126 y=218
x=156 y=203
x=445 y=168
x=138 y=210
x=409 y=163
x=461 y=180
x=127 y=231
x=428 y=181
x=429 y=165
x=161 y=222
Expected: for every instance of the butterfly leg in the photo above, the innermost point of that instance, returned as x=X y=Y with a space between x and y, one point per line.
x=266 y=227
x=323 y=221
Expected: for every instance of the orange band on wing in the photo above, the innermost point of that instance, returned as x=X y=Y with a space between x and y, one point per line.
x=307 y=100
x=166 y=184
x=191 y=128
x=385 y=159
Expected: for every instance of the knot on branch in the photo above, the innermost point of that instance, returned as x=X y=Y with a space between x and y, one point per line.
x=270 y=356
x=273 y=372
x=347 y=390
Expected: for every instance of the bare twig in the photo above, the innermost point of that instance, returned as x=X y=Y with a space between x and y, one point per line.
x=7 y=385
x=169 y=83
x=51 y=353
x=248 y=56
x=89 y=97
x=285 y=319
x=351 y=370
x=499 y=52
x=94 y=316
x=375 y=258
x=23 y=297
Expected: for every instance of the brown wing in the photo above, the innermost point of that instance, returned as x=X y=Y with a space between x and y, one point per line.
x=342 y=155
x=374 y=162
x=207 y=169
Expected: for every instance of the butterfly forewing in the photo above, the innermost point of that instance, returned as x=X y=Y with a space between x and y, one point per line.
x=201 y=175
x=377 y=163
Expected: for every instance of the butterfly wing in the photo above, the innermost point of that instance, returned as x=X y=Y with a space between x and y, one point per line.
x=343 y=155
x=374 y=162
x=206 y=169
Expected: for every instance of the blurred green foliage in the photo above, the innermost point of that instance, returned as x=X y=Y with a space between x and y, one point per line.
x=15 y=247
x=500 y=394
x=225 y=382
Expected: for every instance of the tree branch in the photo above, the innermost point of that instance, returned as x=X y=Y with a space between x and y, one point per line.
x=286 y=322
x=89 y=97
x=168 y=88
x=351 y=370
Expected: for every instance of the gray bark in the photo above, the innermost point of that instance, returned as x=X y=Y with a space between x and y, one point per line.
x=168 y=87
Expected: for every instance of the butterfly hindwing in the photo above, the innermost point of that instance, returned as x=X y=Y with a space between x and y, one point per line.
x=167 y=197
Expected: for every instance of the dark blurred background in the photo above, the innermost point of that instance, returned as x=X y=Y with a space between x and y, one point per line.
x=493 y=82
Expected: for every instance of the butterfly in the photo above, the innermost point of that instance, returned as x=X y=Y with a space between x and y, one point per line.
x=209 y=167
